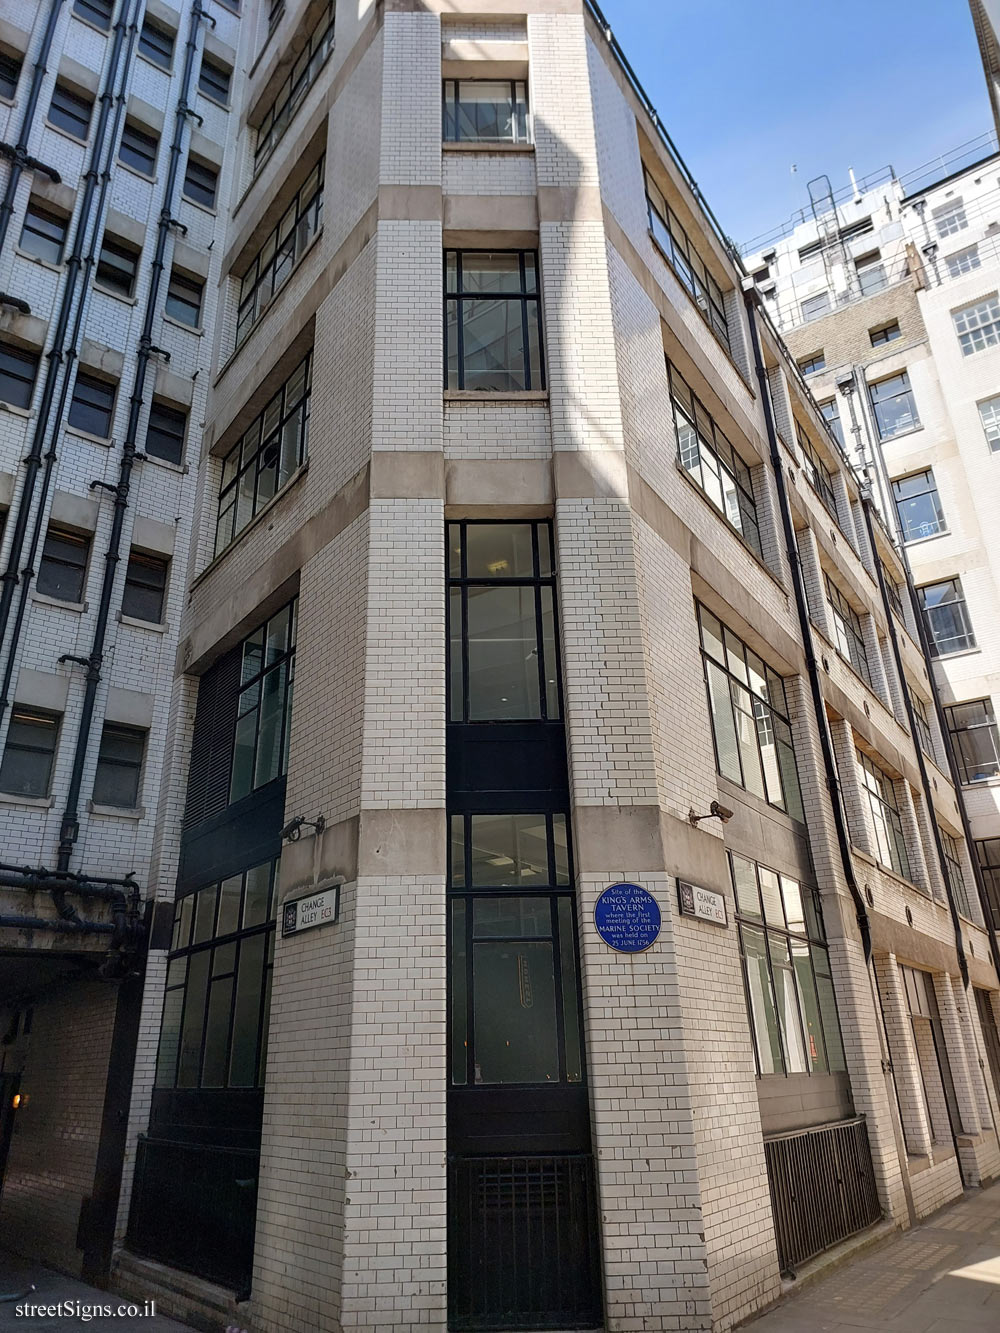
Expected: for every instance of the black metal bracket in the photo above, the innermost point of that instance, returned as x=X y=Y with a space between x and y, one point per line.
x=16 y=302
x=80 y=661
x=23 y=159
x=105 y=486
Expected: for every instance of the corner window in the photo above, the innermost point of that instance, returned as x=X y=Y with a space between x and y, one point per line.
x=485 y=111
x=885 y=333
x=92 y=408
x=815 y=307
x=847 y=632
x=493 y=320
x=271 y=448
x=62 y=570
x=503 y=658
x=264 y=707
x=918 y=506
x=978 y=326
x=184 y=297
x=712 y=463
x=155 y=43
x=963 y=261
x=989 y=415
x=894 y=406
x=117 y=267
x=214 y=79
x=119 y=766
x=97 y=12
x=138 y=149
x=690 y=268
x=786 y=971
x=890 y=846
x=44 y=233
x=950 y=218
x=18 y=369
x=812 y=365
x=70 y=111
x=165 y=432
x=749 y=713
x=947 y=617
x=10 y=72
x=26 y=768
x=201 y=183
x=975 y=738
x=145 y=587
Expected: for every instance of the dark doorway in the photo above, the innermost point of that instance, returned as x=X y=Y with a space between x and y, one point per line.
x=9 y=1084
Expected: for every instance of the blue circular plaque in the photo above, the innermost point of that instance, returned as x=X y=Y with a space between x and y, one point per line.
x=627 y=918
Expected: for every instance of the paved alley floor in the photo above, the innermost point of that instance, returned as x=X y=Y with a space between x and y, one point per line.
x=79 y=1302
x=943 y=1276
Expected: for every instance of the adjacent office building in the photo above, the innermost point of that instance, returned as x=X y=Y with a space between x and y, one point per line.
x=514 y=560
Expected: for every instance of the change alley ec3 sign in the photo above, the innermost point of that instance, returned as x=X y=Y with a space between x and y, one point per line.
x=315 y=909
x=627 y=918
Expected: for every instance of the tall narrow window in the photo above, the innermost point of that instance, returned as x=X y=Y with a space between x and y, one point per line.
x=818 y=473
x=92 y=408
x=749 y=712
x=932 y=1054
x=117 y=267
x=119 y=766
x=26 y=768
x=831 y=415
x=947 y=617
x=145 y=587
x=918 y=506
x=201 y=183
x=184 y=297
x=44 y=233
x=156 y=43
x=165 y=432
x=956 y=875
x=923 y=723
x=786 y=970
x=485 y=111
x=265 y=456
x=18 y=369
x=890 y=846
x=714 y=465
x=976 y=740
x=10 y=72
x=978 y=326
x=848 y=634
x=138 y=149
x=894 y=405
x=686 y=262
x=265 y=704
x=988 y=856
x=62 y=569
x=989 y=415
x=503 y=656
x=493 y=320
x=70 y=111
x=214 y=79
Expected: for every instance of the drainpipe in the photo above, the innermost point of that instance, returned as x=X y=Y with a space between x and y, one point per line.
x=18 y=155
x=70 y=827
x=62 y=350
x=802 y=607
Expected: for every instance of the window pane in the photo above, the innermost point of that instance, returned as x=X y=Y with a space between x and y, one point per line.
x=494 y=345
x=509 y=849
x=723 y=724
x=763 y=1014
x=455 y=666
x=570 y=994
x=204 y=914
x=213 y=1070
x=515 y=1038
x=499 y=551
x=745 y=883
x=512 y=917
x=258 y=892
x=229 y=905
x=459 y=997
x=502 y=648
x=560 y=839
x=189 y=1067
x=787 y=1004
x=815 y=1043
x=246 y=1013
x=170 y=1037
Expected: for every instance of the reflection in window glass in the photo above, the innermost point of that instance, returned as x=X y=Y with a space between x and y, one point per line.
x=485 y=111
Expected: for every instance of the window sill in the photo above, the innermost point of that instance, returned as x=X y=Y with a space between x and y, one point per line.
x=105 y=441
x=208 y=96
x=738 y=536
x=900 y=435
x=181 y=469
x=155 y=627
x=960 y=652
x=202 y=208
x=933 y=536
x=67 y=134
x=198 y=332
x=27 y=802
x=134 y=171
x=105 y=32
x=117 y=811
x=8 y=101
x=37 y=259
x=975 y=784
x=484 y=146
x=164 y=69
x=107 y=291
x=496 y=395
x=257 y=519
x=24 y=412
x=43 y=599
x=894 y=875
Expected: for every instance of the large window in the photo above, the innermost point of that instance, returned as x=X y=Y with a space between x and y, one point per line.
x=290 y=95
x=264 y=709
x=749 y=712
x=989 y=415
x=485 y=111
x=918 y=506
x=493 y=320
x=894 y=406
x=502 y=633
x=976 y=740
x=265 y=455
x=70 y=111
x=17 y=375
x=890 y=846
x=272 y=266
x=217 y=1002
x=684 y=259
x=712 y=463
x=847 y=632
x=786 y=970
x=515 y=1006
x=988 y=856
x=44 y=233
x=119 y=766
x=956 y=875
x=26 y=769
x=818 y=472
x=62 y=569
x=978 y=326
x=947 y=617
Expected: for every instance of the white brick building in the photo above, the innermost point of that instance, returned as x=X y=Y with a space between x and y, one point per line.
x=502 y=465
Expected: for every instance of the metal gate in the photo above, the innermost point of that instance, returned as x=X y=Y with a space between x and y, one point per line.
x=822 y=1188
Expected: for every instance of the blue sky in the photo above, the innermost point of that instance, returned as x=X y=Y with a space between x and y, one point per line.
x=747 y=89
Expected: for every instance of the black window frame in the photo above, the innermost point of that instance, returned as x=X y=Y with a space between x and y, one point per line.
x=966 y=641
x=185 y=294
x=97 y=12
x=820 y=476
x=884 y=809
x=109 y=763
x=922 y=721
x=215 y=79
x=673 y=242
x=885 y=333
x=17 y=381
x=66 y=111
x=531 y=314
x=254 y=693
x=289 y=97
x=201 y=183
x=732 y=670
x=92 y=407
x=892 y=591
x=258 y=456
x=951 y=847
x=900 y=487
x=10 y=74
x=51 y=228
x=849 y=638
x=108 y=274
x=692 y=419
x=832 y=419
x=146 y=579
x=988 y=856
x=973 y=769
x=166 y=423
x=813 y=364
x=520 y=115
x=138 y=149
x=280 y=254
x=47 y=725
x=63 y=550
x=156 y=43
x=880 y=395
x=812 y=935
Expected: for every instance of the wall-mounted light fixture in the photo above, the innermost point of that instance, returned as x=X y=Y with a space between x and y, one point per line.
x=715 y=811
x=293 y=829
